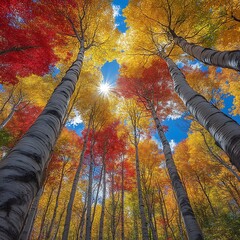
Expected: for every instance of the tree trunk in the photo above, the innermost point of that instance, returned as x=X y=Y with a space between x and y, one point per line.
x=22 y=169
x=166 y=213
x=49 y=231
x=220 y=160
x=151 y=224
x=205 y=194
x=17 y=49
x=225 y=130
x=74 y=186
x=8 y=118
x=26 y=232
x=162 y=212
x=122 y=201
x=59 y=221
x=89 y=200
x=101 y=224
x=114 y=203
x=44 y=215
x=193 y=230
x=144 y=224
x=96 y=200
x=135 y=225
x=225 y=59
x=81 y=223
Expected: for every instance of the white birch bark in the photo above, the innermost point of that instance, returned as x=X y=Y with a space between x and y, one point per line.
x=21 y=171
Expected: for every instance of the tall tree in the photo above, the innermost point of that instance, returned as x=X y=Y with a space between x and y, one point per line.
x=153 y=90
x=224 y=59
x=177 y=25
x=22 y=169
x=135 y=117
x=225 y=130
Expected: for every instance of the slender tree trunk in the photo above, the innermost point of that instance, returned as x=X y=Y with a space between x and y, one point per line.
x=82 y=220
x=81 y=223
x=44 y=215
x=153 y=230
x=235 y=18
x=59 y=221
x=151 y=224
x=17 y=49
x=220 y=160
x=74 y=186
x=193 y=230
x=96 y=199
x=22 y=169
x=225 y=59
x=10 y=96
x=114 y=203
x=154 y=219
x=135 y=225
x=144 y=224
x=122 y=201
x=101 y=224
x=162 y=213
x=231 y=193
x=235 y=188
x=166 y=214
x=113 y=215
x=8 y=118
x=225 y=130
x=26 y=232
x=49 y=231
x=205 y=194
x=149 y=206
x=89 y=201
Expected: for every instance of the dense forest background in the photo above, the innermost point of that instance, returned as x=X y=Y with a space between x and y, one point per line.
x=87 y=157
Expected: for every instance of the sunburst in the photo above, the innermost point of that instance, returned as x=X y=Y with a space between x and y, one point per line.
x=104 y=89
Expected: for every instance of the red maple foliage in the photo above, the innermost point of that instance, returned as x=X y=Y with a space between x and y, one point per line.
x=23 y=119
x=26 y=45
x=154 y=85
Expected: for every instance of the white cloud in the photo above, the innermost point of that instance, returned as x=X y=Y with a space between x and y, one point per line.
x=116 y=10
x=76 y=120
x=116 y=25
x=175 y=114
x=157 y=141
x=195 y=65
x=172 y=144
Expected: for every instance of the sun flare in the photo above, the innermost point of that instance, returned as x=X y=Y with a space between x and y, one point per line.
x=104 y=88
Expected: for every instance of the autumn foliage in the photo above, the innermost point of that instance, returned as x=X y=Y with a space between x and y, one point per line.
x=108 y=169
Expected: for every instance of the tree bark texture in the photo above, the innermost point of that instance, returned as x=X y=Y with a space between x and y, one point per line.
x=193 y=230
x=101 y=223
x=49 y=231
x=144 y=224
x=224 y=59
x=22 y=169
x=122 y=200
x=74 y=187
x=89 y=200
x=10 y=115
x=224 y=129
x=26 y=232
x=40 y=235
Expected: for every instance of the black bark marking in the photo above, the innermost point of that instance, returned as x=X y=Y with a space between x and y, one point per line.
x=24 y=175
x=54 y=113
x=36 y=157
